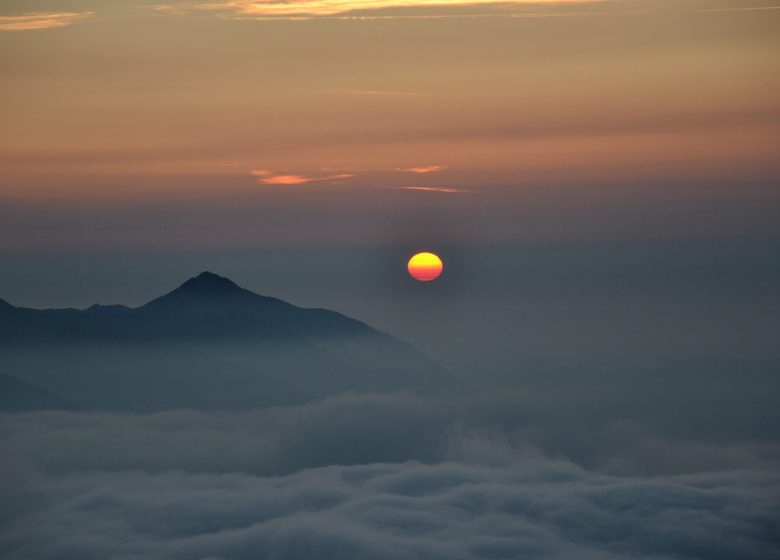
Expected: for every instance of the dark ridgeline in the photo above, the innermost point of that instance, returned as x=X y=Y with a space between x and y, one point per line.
x=207 y=344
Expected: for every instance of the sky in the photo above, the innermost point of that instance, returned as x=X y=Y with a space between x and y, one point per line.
x=276 y=110
x=584 y=153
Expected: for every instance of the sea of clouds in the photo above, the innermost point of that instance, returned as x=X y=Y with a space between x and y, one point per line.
x=379 y=477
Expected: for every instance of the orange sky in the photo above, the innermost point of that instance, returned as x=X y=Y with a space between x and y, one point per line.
x=109 y=100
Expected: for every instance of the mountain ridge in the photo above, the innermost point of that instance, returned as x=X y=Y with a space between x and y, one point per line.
x=208 y=343
x=17 y=395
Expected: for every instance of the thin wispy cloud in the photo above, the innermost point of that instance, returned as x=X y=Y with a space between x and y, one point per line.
x=265 y=177
x=423 y=169
x=271 y=9
x=380 y=92
x=741 y=9
x=42 y=20
x=444 y=190
x=407 y=9
x=169 y=9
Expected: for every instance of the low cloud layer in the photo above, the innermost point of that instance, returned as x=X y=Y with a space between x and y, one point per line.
x=381 y=477
x=537 y=508
x=355 y=429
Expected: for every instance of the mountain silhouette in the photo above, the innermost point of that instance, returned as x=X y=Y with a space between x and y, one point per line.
x=207 y=344
x=17 y=396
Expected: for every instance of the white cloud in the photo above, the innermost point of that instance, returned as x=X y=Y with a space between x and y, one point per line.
x=533 y=508
x=391 y=477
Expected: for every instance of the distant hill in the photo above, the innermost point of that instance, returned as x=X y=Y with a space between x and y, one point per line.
x=18 y=396
x=207 y=344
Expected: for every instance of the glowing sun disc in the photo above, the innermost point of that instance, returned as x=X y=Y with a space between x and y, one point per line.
x=425 y=267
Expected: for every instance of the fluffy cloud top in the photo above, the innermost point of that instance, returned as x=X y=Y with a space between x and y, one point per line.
x=533 y=508
x=365 y=476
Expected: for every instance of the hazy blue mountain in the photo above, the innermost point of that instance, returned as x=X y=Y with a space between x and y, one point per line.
x=17 y=396
x=207 y=344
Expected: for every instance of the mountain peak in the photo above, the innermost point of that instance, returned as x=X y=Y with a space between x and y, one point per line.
x=208 y=283
x=205 y=287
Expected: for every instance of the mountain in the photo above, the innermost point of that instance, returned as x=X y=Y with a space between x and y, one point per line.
x=207 y=344
x=17 y=396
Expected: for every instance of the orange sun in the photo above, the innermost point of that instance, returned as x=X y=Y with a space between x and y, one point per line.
x=425 y=267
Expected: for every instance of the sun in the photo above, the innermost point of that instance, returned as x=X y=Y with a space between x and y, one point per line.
x=425 y=267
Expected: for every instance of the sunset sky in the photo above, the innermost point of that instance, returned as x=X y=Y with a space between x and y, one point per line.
x=307 y=149
x=254 y=124
x=561 y=217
